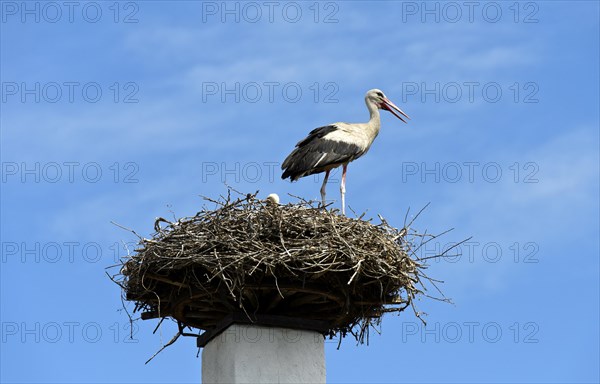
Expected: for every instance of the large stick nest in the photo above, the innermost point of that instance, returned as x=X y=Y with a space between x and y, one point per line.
x=294 y=260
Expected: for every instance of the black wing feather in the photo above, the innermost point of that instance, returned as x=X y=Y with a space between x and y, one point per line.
x=316 y=148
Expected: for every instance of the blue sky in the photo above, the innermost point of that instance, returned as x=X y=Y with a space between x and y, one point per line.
x=128 y=111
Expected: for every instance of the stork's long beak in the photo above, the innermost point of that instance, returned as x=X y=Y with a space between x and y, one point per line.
x=389 y=106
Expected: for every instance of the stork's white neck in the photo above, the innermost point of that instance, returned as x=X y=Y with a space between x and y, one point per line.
x=374 y=123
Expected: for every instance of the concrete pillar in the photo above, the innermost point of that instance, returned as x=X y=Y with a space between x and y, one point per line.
x=256 y=354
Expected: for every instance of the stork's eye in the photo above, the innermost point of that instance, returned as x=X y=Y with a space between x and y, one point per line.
x=380 y=94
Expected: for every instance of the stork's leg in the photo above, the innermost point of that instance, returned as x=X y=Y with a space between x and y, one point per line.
x=343 y=189
x=323 y=187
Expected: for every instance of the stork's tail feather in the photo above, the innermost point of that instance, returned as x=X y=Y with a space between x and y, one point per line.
x=287 y=174
x=293 y=174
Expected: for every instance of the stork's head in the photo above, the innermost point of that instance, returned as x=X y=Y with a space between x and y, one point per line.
x=273 y=199
x=377 y=97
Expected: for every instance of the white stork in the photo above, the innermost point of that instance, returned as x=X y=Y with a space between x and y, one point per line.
x=338 y=144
